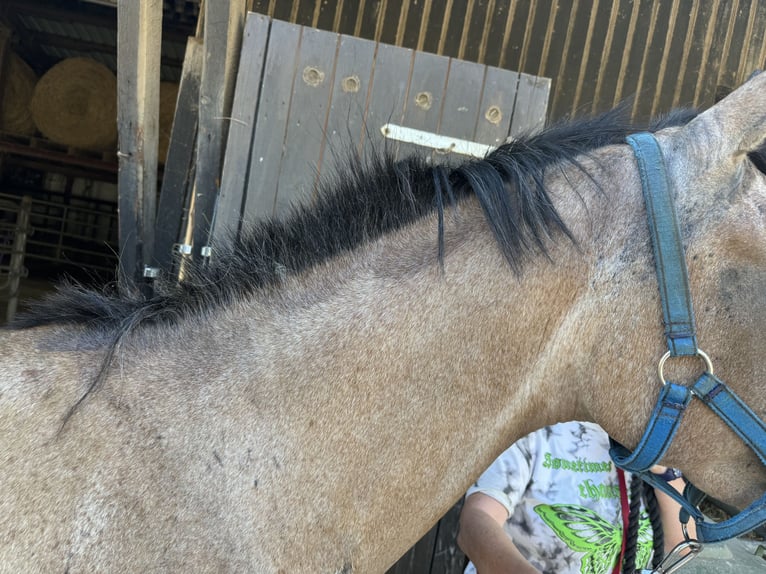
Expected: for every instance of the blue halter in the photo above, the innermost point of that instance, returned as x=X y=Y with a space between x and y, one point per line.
x=681 y=339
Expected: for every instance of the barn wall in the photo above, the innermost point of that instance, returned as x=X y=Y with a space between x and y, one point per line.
x=597 y=52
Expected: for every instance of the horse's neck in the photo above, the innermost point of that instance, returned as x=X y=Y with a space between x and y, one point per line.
x=376 y=385
x=394 y=383
x=362 y=398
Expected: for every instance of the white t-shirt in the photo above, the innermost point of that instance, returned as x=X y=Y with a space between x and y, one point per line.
x=563 y=498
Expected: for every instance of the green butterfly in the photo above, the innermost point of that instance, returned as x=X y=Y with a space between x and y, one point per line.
x=600 y=541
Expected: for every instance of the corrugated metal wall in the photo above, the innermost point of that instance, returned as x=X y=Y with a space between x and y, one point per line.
x=597 y=52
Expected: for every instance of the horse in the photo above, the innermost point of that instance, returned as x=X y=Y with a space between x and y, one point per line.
x=316 y=396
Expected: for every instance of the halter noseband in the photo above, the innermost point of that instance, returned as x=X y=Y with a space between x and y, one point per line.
x=678 y=316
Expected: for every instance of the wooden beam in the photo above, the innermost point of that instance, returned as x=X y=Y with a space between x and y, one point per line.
x=68 y=170
x=91 y=14
x=178 y=179
x=82 y=47
x=112 y=3
x=223 y=23
x=139 y=36
x=243 y=117
x=20 y=147
x=5 y=47
x=57 y=12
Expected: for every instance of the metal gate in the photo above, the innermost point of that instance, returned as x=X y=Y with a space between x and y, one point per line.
x=14 y=228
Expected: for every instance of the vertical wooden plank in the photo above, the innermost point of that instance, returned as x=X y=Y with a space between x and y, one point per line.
x=537 y=35
x=139 y=33
x=260 y=6
x=432 y=31
x=283 y=10
x=222 y=40
x=244 y=111
x=5 y=36
x=387 y=97
x=714 y=43
x=697 y=58
x=531 y=104
x=496 y=110
x=630 y=66
x=452 y=29
x=518 y=17
x=686 y=63
x=328 y=12
x=651 y=62
x=308 y=113
x=598 y=50
x=558 y=35
x=617 y=46
x=304 y=16
x=571 y=55
x=271 y=121
x=734 y=48
x=755 y=41
x=500 y=17
x=348 y=17
x=367 y=22
x=425 y=99
x=476 y=32
x=389 y=26
x=176 y=178
x=345 y=122
x=410 y=34
x=665 y=92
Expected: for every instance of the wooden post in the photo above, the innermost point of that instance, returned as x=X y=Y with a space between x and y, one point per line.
x=139 y=40
x=243 y=118
x=5 y=36
x=224 y=20
x=178 y=177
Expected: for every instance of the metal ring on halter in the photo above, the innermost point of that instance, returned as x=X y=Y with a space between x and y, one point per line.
x=700 y=353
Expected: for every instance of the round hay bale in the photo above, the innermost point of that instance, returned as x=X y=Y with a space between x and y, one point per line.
x=18 y=87
x=168 y=97
x=75 y=104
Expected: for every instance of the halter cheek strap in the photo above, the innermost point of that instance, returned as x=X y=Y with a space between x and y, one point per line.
x=681 y=339
x=670 y=263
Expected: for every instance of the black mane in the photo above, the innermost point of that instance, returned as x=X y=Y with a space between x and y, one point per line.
x=357 y=206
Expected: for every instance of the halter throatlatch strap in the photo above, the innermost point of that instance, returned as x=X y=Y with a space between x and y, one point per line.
x=681 y=339
x=660 y=431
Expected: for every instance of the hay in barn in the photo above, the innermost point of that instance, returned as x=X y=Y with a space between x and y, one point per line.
x=168 y=97
x=75 y=104
x=17 y=89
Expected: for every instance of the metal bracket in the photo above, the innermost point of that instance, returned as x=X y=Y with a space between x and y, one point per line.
x=186 y=249
x=151 y=272
x=439 y=143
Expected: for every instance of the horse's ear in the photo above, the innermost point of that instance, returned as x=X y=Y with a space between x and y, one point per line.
x=737 y=124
